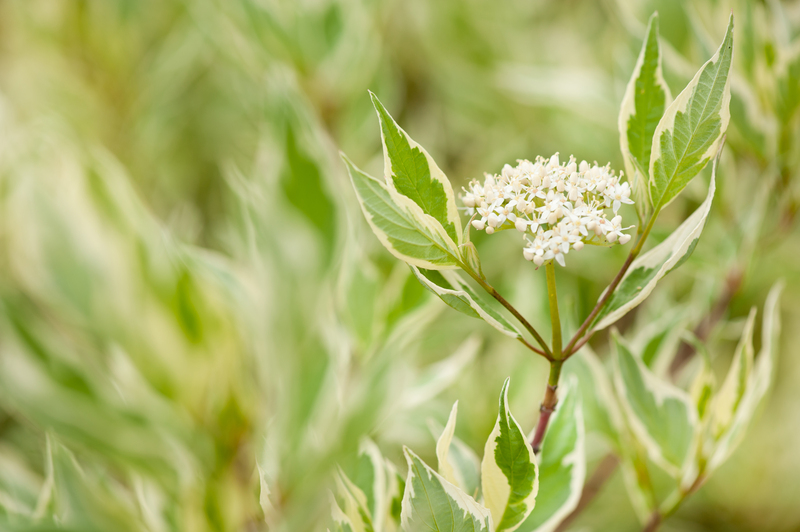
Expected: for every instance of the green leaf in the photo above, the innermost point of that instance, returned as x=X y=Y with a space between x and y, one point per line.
x=370 y=477
x=449 y=287
x=432 y=503
x=661 y=416
x=414 y=174
x=601 y=412
x=509 y=475
x=729 y=397
x=645 y=272
x=355 y=504
x=457 y=462
x=341 y=522
x=758 y=382
x=562 y=463
x=690 y=132
x=646 y=97
x=401 y=226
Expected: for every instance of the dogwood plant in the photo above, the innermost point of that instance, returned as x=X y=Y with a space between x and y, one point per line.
x=532 y=480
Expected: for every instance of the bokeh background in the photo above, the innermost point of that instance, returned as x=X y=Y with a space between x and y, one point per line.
x=196 y=324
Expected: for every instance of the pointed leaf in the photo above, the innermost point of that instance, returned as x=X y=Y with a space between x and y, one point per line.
x=457 y=462
x=431 y=503
x=370 y=477
x=509 y=475
x=413 y=173
x=408 y=233
x=662 y=416
x=690 y=132
x=457 y=294
x=645 y=272
x=727 y=400
x=355 y=504
x=758 y=383
x=562 y=463
x=341 y=522
x=646 y=97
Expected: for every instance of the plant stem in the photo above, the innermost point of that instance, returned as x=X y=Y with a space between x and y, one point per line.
x=545 y=351
x=548 y=405
x=579 y=334
x=555 y=320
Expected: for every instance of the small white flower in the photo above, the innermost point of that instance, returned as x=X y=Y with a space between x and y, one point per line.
x=562 y=204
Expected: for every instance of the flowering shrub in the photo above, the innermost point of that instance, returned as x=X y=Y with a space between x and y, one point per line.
x=532 y=482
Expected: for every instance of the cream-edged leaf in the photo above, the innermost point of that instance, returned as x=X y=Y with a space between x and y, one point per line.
x=662 y=417
x=758 y=381
x=369 y=474
x=729 y=396
x=457 y=462
x=643 y=105
x=601 y=412
x=451 y=289
x=341 y=522
x=645 y=272
x=509 y=474
x=412 y=172
x=431 y=503
x=355 y=504
x=691 y=130
x=400 y=224
x=562 y=463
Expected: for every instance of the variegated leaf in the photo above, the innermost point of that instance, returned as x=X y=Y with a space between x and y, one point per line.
x=412 y=172
x=341 y=522
x=662 y=416
x=690 y=132
x=370 y=476
x=355 y=504
x=646 y=97
x=457 y=294
x=509 y=474
x=457 y=462
x=431 y=503
x=400 y=224
x=601 y=412
x=758 y=381
x=645 y=272
x=562 y=463
x=727 y=400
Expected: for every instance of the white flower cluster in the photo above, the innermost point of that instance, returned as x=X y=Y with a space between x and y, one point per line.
x=563 y=206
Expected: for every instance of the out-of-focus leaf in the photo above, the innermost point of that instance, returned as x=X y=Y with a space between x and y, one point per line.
x=562 y=463
x=729 y=396
x=370 y=476
x=509 y=474
x=758 y=381
x=661 y=416
x=457 y=462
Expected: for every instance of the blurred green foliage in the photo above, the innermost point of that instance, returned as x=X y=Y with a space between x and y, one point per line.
x=193 y=313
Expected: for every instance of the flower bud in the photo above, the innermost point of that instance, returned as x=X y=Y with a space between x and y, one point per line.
x=612 y=237
x=521 y=226
x=494 y=221
x=538 y=260
x=577 y=246
x=478 y=224
x=528 y=254
x=468 y=200
x=489 y=230
x=624 y=239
